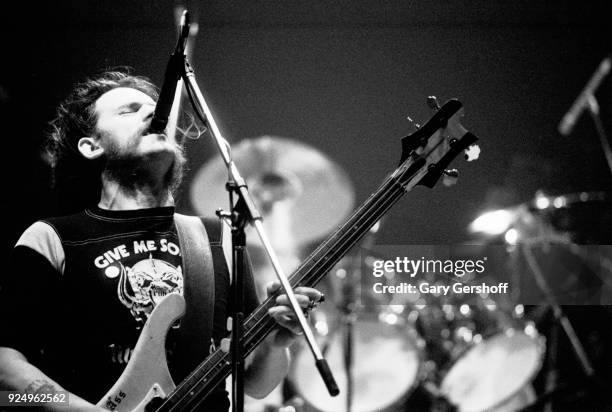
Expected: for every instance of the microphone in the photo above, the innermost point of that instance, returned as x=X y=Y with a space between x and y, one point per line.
x=569 y=120
x=171 y=78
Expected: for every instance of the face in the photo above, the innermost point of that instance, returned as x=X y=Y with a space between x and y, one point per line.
x=123 y=117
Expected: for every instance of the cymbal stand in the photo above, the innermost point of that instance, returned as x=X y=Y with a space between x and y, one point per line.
x=349 y=308
x=558 y=313
x=551 y=379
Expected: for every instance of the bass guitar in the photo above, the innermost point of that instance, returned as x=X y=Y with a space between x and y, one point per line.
x=146 y=383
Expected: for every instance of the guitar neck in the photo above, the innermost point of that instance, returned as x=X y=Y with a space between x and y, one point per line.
x=213 y=371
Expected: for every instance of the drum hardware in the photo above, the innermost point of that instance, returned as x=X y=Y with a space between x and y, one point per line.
x=481 y=353
x=558 y=313
x=349 y=309
x=569 y=393
x=558 y=227
x=480 y=356
x=591 y=386
x=559 y=221
x=551 y=379
x=340 y=338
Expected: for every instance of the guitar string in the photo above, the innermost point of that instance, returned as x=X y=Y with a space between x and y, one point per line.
x=260 y=323
x=254 y=322
x=257 y=323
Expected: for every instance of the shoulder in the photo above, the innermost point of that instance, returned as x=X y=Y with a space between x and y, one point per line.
x=69 y=227
x=47 y=236
x=43 y=238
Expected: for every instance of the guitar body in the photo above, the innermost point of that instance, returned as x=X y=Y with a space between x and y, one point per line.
x=146 y=375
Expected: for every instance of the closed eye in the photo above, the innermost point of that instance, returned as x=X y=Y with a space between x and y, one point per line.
x=129 y=108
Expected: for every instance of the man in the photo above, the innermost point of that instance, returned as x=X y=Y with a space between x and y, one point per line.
x=83 y=285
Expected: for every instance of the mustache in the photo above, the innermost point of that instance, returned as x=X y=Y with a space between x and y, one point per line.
x=148 y=130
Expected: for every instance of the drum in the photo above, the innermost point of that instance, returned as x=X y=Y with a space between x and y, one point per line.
x=485 y=356
x=584 y=217
x=386 y=360
x=493 y=370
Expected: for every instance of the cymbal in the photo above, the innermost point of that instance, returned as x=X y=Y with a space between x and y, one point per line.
x=583 y=216
x=301 y=193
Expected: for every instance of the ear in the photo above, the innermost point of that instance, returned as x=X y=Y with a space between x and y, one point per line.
x=89 y=147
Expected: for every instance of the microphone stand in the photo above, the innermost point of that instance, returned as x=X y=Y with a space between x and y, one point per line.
x=241 y=213
x=587 y=100
x=593 y=108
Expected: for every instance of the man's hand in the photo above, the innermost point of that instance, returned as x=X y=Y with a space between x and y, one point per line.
x=282 y=313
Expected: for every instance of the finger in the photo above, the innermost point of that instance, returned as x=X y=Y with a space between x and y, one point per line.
x=303 y=295
x=285 y=317
x=313 y=294
x=284 y=312
x=272 y=287
x=303 y=300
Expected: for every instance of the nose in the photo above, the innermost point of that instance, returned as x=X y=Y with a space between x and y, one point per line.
x=147 y=111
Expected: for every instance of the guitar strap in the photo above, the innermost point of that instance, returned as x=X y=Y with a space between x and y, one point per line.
x=195 y=333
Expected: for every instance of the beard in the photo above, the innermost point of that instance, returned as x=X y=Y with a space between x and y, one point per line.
x=132 y=171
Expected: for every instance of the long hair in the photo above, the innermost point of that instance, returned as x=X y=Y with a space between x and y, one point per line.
x=77 y=181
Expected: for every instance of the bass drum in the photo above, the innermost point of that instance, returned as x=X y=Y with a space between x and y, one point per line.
x=386 y=363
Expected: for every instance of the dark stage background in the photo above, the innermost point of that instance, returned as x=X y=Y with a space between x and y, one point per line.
x=341 y=76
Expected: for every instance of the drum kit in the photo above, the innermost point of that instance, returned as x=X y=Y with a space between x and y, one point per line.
x=437 y=353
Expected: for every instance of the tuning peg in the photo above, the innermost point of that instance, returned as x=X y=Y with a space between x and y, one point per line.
x=450 y=177
x=432 y=102
x=412 y=122
x=472 y=152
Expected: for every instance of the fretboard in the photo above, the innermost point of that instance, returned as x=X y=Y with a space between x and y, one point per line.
x=213 y=371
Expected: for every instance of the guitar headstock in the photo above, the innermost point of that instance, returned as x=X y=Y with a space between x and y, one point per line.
x=438 y=142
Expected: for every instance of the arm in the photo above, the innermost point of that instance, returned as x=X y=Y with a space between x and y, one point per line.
x=17 y=374
x=267 y=367
x=269 y=363
x=24 y=291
